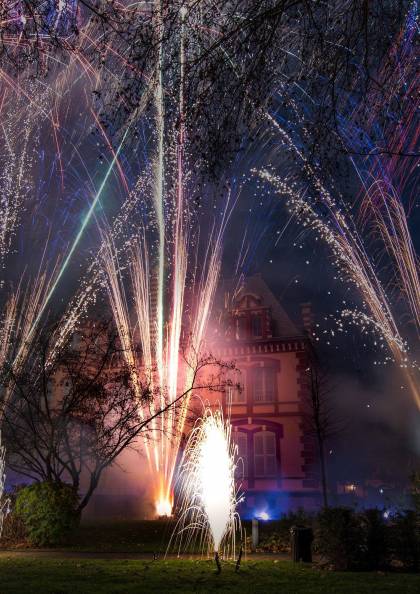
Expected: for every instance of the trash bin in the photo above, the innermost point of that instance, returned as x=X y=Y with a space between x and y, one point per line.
x=301 y=540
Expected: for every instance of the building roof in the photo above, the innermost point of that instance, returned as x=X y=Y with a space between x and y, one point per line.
x=256 y=285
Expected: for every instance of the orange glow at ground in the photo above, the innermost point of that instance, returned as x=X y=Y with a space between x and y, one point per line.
x=164 y=507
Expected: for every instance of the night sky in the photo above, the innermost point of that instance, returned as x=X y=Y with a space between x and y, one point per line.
x=64 y=172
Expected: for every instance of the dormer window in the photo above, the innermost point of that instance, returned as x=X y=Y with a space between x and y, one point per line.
x=248 y=302
x=241 y=328
x=256 y=326
x=251 y=319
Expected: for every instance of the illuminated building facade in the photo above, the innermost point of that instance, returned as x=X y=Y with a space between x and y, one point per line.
x=279 y=466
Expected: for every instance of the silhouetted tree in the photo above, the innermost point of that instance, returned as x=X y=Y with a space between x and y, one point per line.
x=320 y=416
x=70 y=414
x=238 y=53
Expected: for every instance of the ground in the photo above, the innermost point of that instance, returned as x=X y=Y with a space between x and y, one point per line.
x=118 y=576
x=118 y=557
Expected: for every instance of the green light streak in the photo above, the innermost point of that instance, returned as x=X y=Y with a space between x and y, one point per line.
x=79 y=235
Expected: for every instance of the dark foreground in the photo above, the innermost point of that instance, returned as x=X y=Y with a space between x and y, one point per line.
x=95 y=576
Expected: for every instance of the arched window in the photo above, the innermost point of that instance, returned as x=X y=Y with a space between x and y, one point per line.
x=241 y=440
x=265 y=460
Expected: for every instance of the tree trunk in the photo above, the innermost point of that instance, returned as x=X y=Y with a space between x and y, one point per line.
x=323 y=471
x=92 y=486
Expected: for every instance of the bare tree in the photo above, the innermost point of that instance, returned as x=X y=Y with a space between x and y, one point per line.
x=320 y=420
x=69 y=419
x=238 y=54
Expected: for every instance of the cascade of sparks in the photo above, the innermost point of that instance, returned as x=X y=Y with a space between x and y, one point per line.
x=381 y=223
x=174 y=374
x=17 y=321
x=172 y=303
x=382 y=206
x=207 y=491
x=350 y=256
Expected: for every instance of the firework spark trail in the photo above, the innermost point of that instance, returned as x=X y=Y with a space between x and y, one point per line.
x=385 y=178
x=172 y=365
x=118 y=301
x=179 y=275
x=159 y=196
x=205 y=293
x=24 y=110
x=208 y=495
x=159 y=209
x=384 y=208
x=351 y=259
x=22 y=124
x=138 y=270
x=349 y=251
x=38 y=107
x=18 y=183
x=9 y=326
x=164 y=448
x=20 y=310
x=92 y=281
x=15 y=186
x=78 y=237
x=140 y=281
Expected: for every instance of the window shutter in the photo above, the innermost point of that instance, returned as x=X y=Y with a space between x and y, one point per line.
x=270 y=384
x=270 y=453
x=256 y=325
x=265 y=454
x=259 y=444
x=258 y=384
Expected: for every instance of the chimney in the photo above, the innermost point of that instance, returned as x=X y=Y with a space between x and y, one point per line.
x=307 y=317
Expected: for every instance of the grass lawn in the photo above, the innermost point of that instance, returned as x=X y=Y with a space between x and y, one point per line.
x=45 y=576
x=139 y=536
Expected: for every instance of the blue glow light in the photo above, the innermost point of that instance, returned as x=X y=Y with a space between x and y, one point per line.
x=263 y=515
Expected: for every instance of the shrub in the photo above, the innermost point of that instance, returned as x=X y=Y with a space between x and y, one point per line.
x=415 y=491
x=275 y=535
x=13 y=532
x=375 y=539
x=276 y=542
x=340 y=538
x=48 y=511
x=404 y=539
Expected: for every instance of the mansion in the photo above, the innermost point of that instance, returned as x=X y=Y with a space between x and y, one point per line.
x=270 y=353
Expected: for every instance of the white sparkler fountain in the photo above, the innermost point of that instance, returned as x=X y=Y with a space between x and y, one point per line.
x=215 y=477
x=208 y=494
